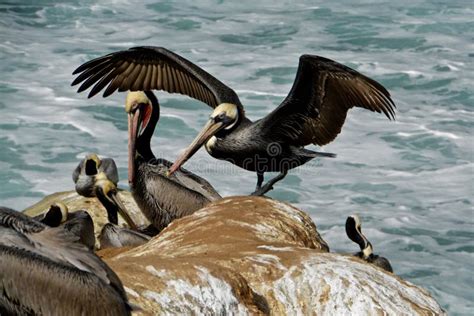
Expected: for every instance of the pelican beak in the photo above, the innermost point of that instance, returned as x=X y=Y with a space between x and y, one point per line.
x=206 y=133
x=133 y=120
x=137 y=123
x=122 y=210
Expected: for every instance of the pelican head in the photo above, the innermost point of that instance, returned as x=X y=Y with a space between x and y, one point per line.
x=222 y=120
x=91 y=164
x=56 y=215
x=106 y=191
x=139 y=109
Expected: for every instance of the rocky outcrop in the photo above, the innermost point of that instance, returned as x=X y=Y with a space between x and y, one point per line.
x=256 y=255
x=249 y=255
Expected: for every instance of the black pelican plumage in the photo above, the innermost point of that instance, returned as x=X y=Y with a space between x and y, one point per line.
x=45 y=271
x=89 y=169
x=113 y=236
x=354 y=232
x=161 y=198
x=313 y=112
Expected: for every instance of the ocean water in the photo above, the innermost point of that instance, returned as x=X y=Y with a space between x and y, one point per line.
x=410 y=180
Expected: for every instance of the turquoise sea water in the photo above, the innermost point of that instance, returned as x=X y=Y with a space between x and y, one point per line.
x=410 y=180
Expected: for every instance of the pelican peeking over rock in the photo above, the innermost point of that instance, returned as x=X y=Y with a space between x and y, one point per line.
x=354 y=232
x=95 y=177
x=313 y=112
x=46 y=271
x=89 y=169
x=55 y=216
x=79 y=223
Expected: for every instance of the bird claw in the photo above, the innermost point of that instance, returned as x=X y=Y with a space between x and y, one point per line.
x=261 y=191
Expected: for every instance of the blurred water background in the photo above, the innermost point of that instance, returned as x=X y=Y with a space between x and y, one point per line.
x=410 y=180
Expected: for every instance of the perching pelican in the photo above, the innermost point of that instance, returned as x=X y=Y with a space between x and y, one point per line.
x=45 y=271
x=56 y=215
x=354 y=232
x=99 y=177
x=79 y=223
x=113 y=236
x=90 y=168
x=312 y=113
x=161 y=198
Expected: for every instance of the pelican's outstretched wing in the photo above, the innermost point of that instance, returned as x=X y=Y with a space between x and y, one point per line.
x=152 y=68
x=322 y=94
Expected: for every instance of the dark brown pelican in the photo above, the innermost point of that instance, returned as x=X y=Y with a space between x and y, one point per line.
x=79 y=223
x=45 y=271
x=90 y=168
x=114 y=236
x=312 y=113
x=99 y=177
x=55 y=216
x=354 y=232
x=161 y=198
x=106 y=192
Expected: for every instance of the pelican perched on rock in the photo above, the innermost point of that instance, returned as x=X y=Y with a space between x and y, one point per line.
x=113 y=236
x=354 y=232
x=162 y=198
x=56 y=215
x=313 y=112
x=45 y=271
x=106 y=192
x=79 y=223
x=95 y=177
x=89 y=169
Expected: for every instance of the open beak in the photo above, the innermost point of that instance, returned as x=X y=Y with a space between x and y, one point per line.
x=133 y=120
x=206 y=133
x=123 y=211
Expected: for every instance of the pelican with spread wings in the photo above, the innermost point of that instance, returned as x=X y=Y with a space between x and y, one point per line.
x=313 y=112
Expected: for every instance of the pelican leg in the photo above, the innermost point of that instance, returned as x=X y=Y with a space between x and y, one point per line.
x=259 y=181
x=269 y=185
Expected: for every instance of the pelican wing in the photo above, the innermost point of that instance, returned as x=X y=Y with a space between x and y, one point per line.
x=20 y=231
x=61 y=246
x=152 y=68
x=322 y=94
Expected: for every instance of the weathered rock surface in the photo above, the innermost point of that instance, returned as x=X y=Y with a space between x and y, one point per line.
x=247 y=255
x=255 y=255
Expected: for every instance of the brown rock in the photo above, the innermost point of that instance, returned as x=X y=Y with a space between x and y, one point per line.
x=252 y=255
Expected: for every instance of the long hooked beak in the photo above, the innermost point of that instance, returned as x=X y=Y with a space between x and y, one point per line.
x=123 y=211
x=206 y=133
x=133 y=119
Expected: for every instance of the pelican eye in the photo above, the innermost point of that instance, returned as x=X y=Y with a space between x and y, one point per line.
x=111 y=192
x=220 y=118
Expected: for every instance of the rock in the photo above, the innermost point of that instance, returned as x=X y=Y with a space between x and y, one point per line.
x=253 y=255
x=95 y=209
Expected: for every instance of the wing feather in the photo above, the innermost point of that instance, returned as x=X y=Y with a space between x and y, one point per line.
x=147 y=67
x=316 y=107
